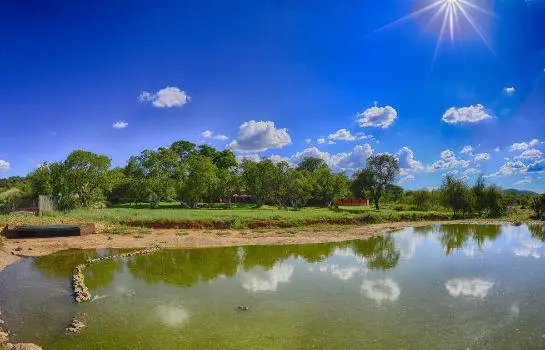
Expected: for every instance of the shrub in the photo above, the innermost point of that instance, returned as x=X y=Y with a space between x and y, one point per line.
x=538 y=206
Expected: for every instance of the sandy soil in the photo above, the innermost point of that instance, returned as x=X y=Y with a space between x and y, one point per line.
x=14 y=249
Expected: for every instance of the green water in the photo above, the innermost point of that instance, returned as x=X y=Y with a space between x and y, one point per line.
x=437 y=287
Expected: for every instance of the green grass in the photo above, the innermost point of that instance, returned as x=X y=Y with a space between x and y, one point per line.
x=241 y=217
x=138 y=219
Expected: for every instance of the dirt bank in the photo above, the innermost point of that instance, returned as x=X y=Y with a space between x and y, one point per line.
x=14 y=249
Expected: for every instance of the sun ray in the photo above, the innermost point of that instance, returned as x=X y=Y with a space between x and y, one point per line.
x=478 y=8
x=475 y=26
x=412 y=15
x=441 y=33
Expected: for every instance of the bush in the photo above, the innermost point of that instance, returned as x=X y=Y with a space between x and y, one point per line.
x=538 y=206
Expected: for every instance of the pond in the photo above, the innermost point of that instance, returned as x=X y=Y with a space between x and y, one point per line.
x=448 y=287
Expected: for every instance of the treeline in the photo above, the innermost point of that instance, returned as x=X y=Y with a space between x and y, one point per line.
x=189 y=174
x=197 y=176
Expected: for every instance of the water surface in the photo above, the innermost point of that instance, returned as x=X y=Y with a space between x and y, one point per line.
x=448 y=287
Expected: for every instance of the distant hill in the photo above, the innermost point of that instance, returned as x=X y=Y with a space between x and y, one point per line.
x=520 y=192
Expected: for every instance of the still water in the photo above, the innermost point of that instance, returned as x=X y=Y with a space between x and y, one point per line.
x=436 y=287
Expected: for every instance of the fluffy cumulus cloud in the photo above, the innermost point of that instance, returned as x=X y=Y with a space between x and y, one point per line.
x=468 y=287
x=380 y=117
x=522 y=146
x=341 y=161
x=509 y=90
x=467 y=150
x=381 y=290
x=342 y=135
x=4 y=166
x=481 y=157
x=530 y=154
x=275 y=158
x=407 y=178
x=406 y=160
x=311 y=152
x=168 y=97
x=323 y=140
x=448 y=161
x=266 y=281
x=470 y=171
x=342 y=272
x=208 y=134
x=121 y=124
x=535 y=167
x=352 y=160
x=470 y=114
x=511 y=168
x=258 y=136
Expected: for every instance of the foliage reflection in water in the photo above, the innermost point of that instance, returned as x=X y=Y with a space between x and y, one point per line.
x=452 y=286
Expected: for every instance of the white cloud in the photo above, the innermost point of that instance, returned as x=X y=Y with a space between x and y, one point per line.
x=522 y=146
x=407 y=178
x=4 y=166
x=308 y=140
x=509 y=91
x=510 y=168
x=497 y=149
x=171 y=316
x=481 y=157
x=258 y=136
x=121 y=124
x=380 y=117
x=381 y=290
x=537 y=167
x=323 y=140
x=265 y=281
x=363 y=136
x=406 y=160
x=342 y=135
x=168 y=97
x=533 y=154
x=253 y=157
x=448 y=161
x=467 y=150
x=525 y=181
x=345 y=161
x=275 y=158
x=208 y=134
x=475 y=287
x=352 y=160
x=310 y=152
x=470 y=171
x=470 y=114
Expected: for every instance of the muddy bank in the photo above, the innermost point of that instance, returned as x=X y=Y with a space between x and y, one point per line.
x=14 y=249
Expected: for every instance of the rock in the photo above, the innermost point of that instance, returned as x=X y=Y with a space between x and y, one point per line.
x=110 y=238
x=18 y=249
x=26 y=346
x=517 y=223
x=243 y=307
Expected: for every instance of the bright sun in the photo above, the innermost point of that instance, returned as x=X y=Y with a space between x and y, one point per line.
x=450 y=13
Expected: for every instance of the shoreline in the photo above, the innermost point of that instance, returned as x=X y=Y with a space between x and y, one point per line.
x=14 y=249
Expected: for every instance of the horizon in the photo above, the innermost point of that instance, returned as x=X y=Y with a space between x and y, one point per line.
x=283 y=81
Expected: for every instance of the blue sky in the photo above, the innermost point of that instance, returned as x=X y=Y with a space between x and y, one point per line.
x=281 y=79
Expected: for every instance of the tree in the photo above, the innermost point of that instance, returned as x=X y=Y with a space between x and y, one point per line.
x=200 y=180
x=299 y=186
x=421 y=199
x=229 y=184
x=384 y=169
x=538 y=206
x=478 y=191
x=362 y=183
x=261 y=179
x=86 y=176
x=328 y=186
x=456 y=195
x=155 y=173
x=312 y=164
x=41 y=181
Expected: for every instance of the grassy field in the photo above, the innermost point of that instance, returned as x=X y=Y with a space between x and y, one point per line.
x=172 y=216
